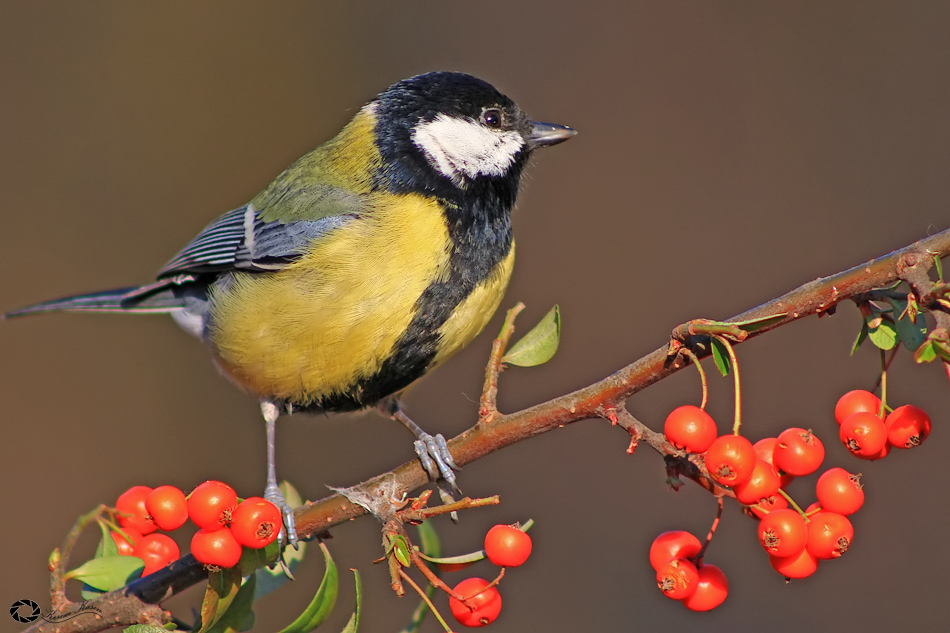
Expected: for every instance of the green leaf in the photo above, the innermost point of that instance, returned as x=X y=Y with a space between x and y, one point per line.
x=90 y=593
x=323 y=601
x=223 y=587
x=107 y=546
x=240 y=615
x=721 y=356
x=461 y=559
x=884 y=335
x=399 y=547
x=911 y=333
x=539 y=345
x=925 y=353
x=943 y=351
x=862 y=335
x=429 y=542
x=107 y=573
x=144 y=628
x=291 y=495
x=751 y=325
x=938 y=264
x=354 y=621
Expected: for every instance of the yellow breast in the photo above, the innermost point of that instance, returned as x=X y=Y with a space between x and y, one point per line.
x=313 y=328
x=475 y=311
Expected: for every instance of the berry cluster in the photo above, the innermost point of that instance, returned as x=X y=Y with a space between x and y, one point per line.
x=680 y=574
x=505 y=546
x=869 y=434
x=225 y=525
x=795 y=539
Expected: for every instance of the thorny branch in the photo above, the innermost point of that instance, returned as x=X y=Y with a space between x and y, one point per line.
x=603 y=399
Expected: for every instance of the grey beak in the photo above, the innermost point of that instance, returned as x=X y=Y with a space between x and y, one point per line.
x=544 y=134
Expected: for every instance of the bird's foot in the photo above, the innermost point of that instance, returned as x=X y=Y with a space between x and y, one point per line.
x=288 y=532
x=433 y=452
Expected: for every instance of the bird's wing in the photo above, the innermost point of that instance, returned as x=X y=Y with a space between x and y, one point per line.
x=258 y=240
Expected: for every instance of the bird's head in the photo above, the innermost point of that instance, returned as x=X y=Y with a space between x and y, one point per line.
x=444 y=130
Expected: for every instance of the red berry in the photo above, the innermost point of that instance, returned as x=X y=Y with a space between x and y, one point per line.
x=156 y=550
x=783 y=533
x=829 y=535
x=775 y=502
x=690 y=428
x=855 y=402
x=881 y=453
x=765 y=450
x=126 y=548
x=798 y=452
x=677 y=579
x=840 y=491
x=711 y=589
x=483 y=605
x=167 y=507
x=256 y=522
x=907 y=426
x=800 y=565
x=673 y=544
x=507 y=546
x=131 y=505
x=217 y=548
x=763 y=483
x=864 y=434
x=730 y=460
x=210 y=505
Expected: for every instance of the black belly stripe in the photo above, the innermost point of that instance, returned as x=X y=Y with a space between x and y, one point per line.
x=481 y=239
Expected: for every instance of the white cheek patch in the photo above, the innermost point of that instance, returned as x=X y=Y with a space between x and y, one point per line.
x=462 y=147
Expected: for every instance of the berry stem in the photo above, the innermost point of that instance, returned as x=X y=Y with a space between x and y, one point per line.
x=712 y=532
x=702 y=375
x=425 y=598
x=792 y=503
x=737 y=424
x=884 y=365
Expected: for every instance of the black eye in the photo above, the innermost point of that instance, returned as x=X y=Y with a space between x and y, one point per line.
x=493 y=118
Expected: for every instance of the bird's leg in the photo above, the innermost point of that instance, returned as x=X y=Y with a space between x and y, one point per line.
x=433 y=451
x=272 y=493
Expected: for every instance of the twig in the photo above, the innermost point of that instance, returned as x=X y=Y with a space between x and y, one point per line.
x=434 y=580
x=488 y=406
x=59 y=559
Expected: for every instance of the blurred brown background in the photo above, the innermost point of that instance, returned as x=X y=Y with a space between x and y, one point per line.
x=728 y=152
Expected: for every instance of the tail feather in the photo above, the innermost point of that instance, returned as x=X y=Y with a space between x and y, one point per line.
x=118 y=300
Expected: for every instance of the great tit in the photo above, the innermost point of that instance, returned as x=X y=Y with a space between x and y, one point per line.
x=369 y=261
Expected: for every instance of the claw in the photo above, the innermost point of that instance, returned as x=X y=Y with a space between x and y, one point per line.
x=433 y=452
x=422 y=450
x=288 y=532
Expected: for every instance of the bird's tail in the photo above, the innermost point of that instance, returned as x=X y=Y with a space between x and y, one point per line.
x=158 y=297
